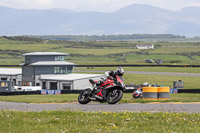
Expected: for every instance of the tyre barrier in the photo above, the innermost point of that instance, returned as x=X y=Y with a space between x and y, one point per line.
x=149 y=93
x=156 y=93
x=20 y=93
x=145 y=94
x=188 y=90
x=163 y=93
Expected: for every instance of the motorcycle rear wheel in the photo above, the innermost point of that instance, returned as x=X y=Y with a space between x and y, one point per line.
x=84 y=98
x=114 y=97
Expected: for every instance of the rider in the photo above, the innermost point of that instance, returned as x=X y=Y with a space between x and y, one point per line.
x=111 y=75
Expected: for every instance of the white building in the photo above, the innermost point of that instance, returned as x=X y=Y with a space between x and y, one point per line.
x=11 y=74
x=145 y=46
x=71 y=81
x=47 y=70
x=11 y=77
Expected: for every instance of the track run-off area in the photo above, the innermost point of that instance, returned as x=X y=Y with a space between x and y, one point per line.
x=152 y=73
x=98 y=107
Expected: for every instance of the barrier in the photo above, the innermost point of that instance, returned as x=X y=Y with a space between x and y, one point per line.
x=149 y=93
x=78 y=91
x=50 y=92
x=163 y=93
x=172 y=90
x=155 y=93
x=20 y=93
x=188 y=90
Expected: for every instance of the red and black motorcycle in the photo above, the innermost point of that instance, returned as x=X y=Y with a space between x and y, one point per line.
x=111 y=91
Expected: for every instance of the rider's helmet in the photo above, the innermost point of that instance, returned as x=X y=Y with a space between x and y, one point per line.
x=145 y=84
x=120 y=71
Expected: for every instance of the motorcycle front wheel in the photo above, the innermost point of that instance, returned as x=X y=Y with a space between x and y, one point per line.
x=114 y=96
x=84 y=98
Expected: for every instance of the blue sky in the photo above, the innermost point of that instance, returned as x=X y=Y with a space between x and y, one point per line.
x=95 y=5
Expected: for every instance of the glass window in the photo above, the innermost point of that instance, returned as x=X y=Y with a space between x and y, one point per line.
x=59 y=58
x=60 y=70
x=62 y=58
x=3 y=84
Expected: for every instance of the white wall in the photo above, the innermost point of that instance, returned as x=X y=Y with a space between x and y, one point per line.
x=10 y=78
x=60 y=84
x=83 y=83
x=37 y=80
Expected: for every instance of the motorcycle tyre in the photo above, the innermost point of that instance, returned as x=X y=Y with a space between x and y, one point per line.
x=85 y=101
x=115 y=100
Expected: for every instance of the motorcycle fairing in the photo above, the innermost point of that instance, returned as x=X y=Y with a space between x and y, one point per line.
x=100 y=93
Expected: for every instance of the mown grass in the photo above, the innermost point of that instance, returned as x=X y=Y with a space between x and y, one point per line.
x=41 y=98
x=134 y=58
x=178 y=97
x=174 y=50
x=166 y=80
x=145 y=69
x=190 y=82
x=64 y=98
x=90 y=122
x=96 y=51
x=102 y=52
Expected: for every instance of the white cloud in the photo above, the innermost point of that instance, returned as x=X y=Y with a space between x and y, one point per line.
x=95 y=5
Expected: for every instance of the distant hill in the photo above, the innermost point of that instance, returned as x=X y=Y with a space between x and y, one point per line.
x=133 y=19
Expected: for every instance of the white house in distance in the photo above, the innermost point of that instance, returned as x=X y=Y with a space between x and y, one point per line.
x=145 y=46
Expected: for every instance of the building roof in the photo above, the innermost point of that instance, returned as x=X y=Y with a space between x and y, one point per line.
x=10 y=71
x=144 y=45
x=69 y=77
x=52 y=63
x=46 y=53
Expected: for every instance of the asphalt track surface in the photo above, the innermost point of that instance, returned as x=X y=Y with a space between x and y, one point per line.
x=129 y=107
x=152 y=73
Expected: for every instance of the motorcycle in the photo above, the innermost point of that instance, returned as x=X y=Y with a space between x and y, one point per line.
x=138 y=93
x=110 y=91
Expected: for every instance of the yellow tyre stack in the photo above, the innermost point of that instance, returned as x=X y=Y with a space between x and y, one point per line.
x=163 y=93
x=155 y=93
x=149 y=93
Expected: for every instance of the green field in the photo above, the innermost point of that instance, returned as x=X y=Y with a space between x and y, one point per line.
x=145 y=69
x=99 y=52
x=166 y=80
x=190 y=82
x=65 y=98
x=90 y=122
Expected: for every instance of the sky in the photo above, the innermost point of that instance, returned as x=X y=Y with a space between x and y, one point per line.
x=96 y=5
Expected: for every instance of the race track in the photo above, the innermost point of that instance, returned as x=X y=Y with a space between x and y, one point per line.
x=131 y=107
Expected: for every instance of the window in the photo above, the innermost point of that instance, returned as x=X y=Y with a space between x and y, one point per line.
x=60 y=70
x=59 y=58
x=66 y=86
x=4 y=79
x=27 y=59
x=37 y=84
x=3 y=84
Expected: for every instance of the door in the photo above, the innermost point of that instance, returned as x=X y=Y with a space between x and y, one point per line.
x=66 y=86
x=44 y=85
x=53 y=86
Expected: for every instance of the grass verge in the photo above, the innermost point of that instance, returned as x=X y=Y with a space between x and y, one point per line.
x=146 y=69
x=80 y=122
x=190 y=82
x=127 y=98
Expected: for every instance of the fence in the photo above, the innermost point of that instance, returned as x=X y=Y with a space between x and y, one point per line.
x=78 y=91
